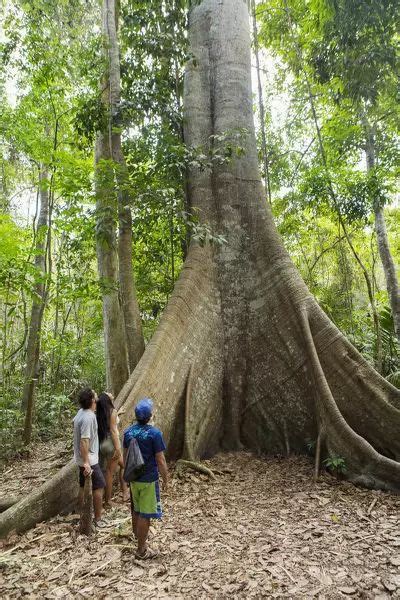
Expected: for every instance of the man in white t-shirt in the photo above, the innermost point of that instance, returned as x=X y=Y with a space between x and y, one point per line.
x=86 y=451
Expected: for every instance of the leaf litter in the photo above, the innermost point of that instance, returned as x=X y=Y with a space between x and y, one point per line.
x=262 y=528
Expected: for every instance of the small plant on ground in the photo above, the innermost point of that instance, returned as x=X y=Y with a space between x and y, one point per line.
x=310 y=445
x=335 y=464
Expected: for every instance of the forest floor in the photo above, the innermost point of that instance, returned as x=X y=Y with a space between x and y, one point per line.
x=261 y=529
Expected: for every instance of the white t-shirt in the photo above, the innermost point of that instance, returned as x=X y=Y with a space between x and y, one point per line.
x=85 y=426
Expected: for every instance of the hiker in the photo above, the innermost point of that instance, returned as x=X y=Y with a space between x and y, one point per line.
x=110 y=454
x=86 y=452
x=144 y=492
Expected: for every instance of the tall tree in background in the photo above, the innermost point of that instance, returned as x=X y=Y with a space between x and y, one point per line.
x=359 y=49
x=38 y=305
x=266 y=367
x=130 y=308
x=122 y=327
x=388 y=264
x=35 y=132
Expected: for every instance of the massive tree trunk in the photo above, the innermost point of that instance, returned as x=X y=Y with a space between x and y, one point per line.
x=389 y=268
x=38 y=305
x=268 y=369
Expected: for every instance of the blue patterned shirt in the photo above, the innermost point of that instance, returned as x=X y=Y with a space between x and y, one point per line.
x=150 y=442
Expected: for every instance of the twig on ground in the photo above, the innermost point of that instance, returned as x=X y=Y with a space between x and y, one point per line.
x=119 y=545
x=287 y=573
x=59 y=565
x=49 y=554
x=6 y=552
x=371 y=506
x=72 y=575
x=366 y=537
x=91 y=573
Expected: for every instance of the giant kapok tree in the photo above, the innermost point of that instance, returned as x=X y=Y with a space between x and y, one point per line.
x=243 y=355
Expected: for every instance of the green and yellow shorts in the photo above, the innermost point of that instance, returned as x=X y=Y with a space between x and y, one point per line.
x=145 y=499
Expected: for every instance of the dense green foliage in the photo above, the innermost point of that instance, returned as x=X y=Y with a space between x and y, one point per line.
x=333 y=67
x=329 y=68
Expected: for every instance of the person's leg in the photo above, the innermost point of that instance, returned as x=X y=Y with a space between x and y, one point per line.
x=81 y=489
x=124 y=486
x=98 y=503
x=134 y=523
x=109 y=476
x=122 y=483
x=98 y=485
x=148 y=507
x=142 y=532
x=134 y=492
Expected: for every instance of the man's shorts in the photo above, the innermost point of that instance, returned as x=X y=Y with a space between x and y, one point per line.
x=145 y=499
x=98 y=480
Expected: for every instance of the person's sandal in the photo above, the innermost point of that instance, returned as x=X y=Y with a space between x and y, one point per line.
x=147 y=554
x=102 y=524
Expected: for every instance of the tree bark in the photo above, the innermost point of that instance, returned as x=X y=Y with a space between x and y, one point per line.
x=130 y=307
x=116 y=351
x=271 y=370
x=267 y=181
x=389 y=268
x=6 y=503
x=38 y=305
x=119 y=183
x=107 y=259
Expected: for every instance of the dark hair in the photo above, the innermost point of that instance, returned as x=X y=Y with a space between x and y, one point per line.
x=144 y=421
x=103 y=413
x=85 y=398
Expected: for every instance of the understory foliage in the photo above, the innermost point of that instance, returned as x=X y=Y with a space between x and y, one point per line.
x=321 y=84
x=329 y=77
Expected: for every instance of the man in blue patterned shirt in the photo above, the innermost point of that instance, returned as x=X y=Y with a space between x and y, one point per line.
x=145 y=491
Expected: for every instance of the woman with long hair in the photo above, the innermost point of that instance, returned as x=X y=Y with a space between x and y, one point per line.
x=110 y=445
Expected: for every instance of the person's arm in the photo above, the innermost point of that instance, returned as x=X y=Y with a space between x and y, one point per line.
x=115 y=435
x=163 y=469
x=125 y=445
x=84 y=450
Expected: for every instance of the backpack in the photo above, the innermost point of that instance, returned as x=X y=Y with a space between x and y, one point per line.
x=134 y=463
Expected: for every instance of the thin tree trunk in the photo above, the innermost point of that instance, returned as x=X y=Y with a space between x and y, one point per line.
x=267 y=181
x=130 y=307
x=389 y=268
x=107 y=259
x=117 y=369
x=38 y=305
x=371 y=297
x=132 y=318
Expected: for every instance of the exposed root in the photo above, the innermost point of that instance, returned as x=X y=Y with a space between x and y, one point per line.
x=286 y=438
x=6 y=503
x=182 y=464
x=57 y=494
x=317 y=456
x=189 y=460
x=364 y=465
x=187 y=443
